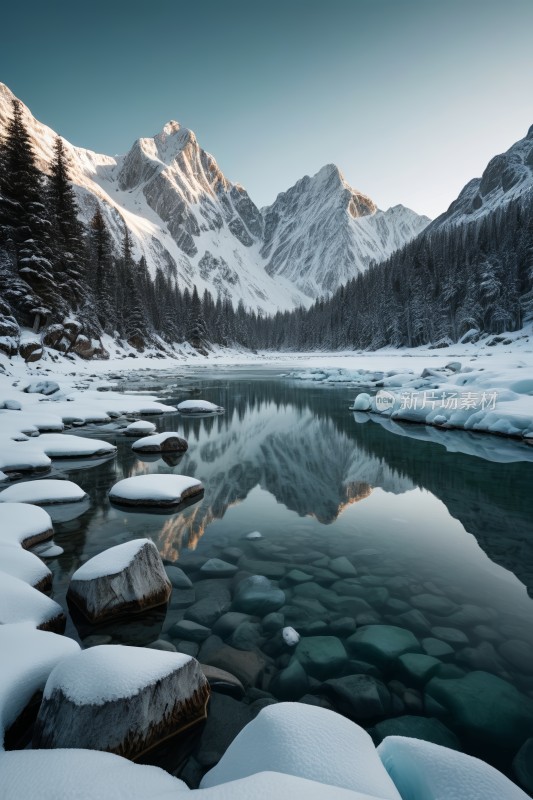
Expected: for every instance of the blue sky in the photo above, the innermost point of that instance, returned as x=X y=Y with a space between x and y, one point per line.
x=410 y=98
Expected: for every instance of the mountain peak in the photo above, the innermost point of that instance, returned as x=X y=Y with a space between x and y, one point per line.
x=171 y=128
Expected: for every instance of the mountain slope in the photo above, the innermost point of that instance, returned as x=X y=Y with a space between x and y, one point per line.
x=183 y=214
x=320 y=233
x=506 y=178
x=186 y=218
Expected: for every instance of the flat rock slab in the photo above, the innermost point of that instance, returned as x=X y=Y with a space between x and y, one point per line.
x=43 y=492
x=24 y=524
x=63 y=445
x=166 y=442
x=27 y=566
x=140 y=428
x=155 y=490
x=121 y=699
x=128 y=578
x=199 y=407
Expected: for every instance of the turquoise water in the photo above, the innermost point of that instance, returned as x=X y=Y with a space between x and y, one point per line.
x=442 y=534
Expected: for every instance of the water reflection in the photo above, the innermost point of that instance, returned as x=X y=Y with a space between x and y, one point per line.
x=303 y=448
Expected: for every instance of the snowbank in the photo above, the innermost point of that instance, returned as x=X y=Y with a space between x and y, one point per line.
x=83 y=775
x=308 y=742
x=426 y=771
x=28 y=657
x=22 y=603
x=23 y=524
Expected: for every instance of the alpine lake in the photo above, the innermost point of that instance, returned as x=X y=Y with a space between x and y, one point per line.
x=405 y=559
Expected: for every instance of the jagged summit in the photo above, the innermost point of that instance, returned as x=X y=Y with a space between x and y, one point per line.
x=189 y=220
x=321 y=232
x=508 y=176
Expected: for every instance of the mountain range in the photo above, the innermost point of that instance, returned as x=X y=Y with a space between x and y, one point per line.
x=189 y=220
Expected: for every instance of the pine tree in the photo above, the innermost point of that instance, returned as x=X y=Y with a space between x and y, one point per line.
x=67 y=231
x=101 y=271
x=24 y=220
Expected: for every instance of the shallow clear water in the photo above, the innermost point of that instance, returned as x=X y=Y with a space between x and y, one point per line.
x=291 y=461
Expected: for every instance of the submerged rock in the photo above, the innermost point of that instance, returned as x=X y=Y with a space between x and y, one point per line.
x=121 y=699
x=360 y=697
x=258 y=595
x=321 y=656
x=128 y=578
x=523 y=766
x=487 y=710
x=382 y=644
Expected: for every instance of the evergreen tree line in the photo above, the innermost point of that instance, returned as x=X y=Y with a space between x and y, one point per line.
x=55 y=271
x=449 y=283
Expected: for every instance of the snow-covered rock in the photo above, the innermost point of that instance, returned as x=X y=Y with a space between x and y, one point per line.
x=128 y=578
x=43 y=492
x=308 y=742
x=121 y=699
x=268 y=785
x=140 y=428
x=199 y=407
x=28 y=657
x=83 y=775
x=155 y=490
x=62 y=445
x=25 y=565
x=166 y=442
x=426 y=771
x=20 y=602
x=24 y=524
x=362 y=402
x=22 y=456
x=42 y=387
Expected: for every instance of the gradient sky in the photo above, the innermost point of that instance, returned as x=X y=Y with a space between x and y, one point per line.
x=410 y=98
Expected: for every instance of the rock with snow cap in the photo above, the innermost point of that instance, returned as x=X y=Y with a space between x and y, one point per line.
x=155 y=490
x=166 y=442
x=129 y=578
x=121 y=699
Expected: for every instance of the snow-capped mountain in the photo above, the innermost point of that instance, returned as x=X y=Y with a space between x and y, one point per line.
x=321 y=232
x=188 y=219
x=507 y=177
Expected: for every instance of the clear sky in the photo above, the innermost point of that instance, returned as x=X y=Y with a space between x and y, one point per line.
x=410 y=98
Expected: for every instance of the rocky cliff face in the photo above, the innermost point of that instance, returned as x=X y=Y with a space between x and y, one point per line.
x=508 y=176
x=321 y=232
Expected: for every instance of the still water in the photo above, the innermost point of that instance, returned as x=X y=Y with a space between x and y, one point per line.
x=441 y=545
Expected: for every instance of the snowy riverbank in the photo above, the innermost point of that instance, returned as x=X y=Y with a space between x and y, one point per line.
x=289 y=749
